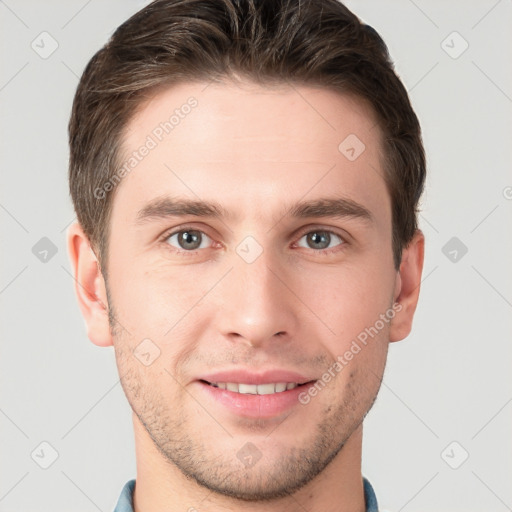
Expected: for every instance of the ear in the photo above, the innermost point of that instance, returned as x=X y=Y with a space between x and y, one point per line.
x=407 y=287
x=89 y=286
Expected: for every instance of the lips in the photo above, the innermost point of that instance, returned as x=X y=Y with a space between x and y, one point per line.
x=240 y=376
x=254 y=394
x=243 y=401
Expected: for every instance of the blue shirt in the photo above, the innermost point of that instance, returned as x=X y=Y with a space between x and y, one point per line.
x=125 y=503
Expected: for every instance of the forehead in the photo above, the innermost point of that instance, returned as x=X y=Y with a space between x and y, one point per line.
x=244 y=110
x=251 y=144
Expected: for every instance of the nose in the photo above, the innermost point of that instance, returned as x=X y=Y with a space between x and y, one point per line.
x=257 y=305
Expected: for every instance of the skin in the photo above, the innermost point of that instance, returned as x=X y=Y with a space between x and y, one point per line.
x=255 y=151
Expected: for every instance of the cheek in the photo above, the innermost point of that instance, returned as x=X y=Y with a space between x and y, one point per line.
x=349 y=298
x=163 y=314
x=151 y=300
x=148 y=389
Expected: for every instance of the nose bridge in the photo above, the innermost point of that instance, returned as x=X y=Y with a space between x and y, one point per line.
x=257 y=305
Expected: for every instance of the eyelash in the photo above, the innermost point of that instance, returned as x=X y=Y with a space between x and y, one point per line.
x=322 y=252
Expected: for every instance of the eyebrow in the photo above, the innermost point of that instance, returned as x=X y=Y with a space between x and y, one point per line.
x=336 y=207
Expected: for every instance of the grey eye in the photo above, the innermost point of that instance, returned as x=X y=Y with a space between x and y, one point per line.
x=189 y=239
x=320 y=240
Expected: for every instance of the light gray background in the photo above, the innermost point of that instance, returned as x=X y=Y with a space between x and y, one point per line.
x=449 y=381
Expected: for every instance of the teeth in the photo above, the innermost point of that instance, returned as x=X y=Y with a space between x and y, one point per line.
x=265 y=389
x=249 y=389
x=255 y=389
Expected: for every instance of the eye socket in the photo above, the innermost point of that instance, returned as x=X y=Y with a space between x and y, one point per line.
x=320 y=239
x=189 y=240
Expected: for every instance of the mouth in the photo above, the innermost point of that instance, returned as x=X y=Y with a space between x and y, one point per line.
x=254 y=394
x=269 y=388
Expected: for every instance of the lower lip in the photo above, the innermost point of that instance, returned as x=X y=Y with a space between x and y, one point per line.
x=255 y=406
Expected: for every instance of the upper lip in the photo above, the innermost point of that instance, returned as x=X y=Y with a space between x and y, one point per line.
x=248 y=377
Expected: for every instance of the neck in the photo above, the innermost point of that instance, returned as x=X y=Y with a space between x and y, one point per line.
x=160 y=485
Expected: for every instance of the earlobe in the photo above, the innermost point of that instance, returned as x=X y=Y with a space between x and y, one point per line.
x=407 y=287
x=89 y=286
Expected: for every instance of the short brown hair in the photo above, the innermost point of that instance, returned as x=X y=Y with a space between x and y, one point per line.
x=309 y=42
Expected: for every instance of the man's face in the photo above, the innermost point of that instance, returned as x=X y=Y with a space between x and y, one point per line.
x=265 y=292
